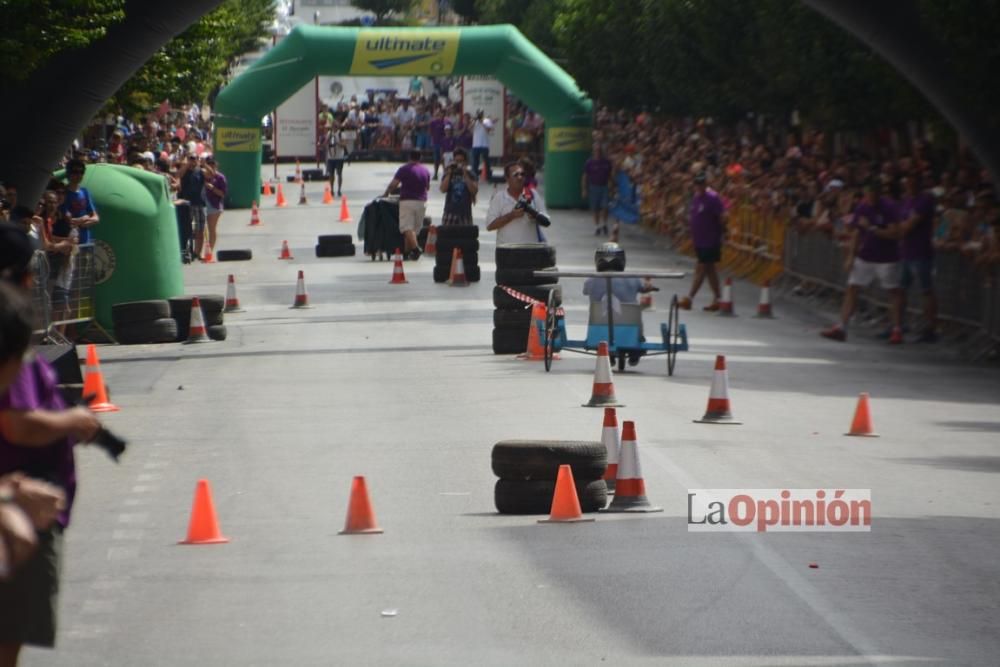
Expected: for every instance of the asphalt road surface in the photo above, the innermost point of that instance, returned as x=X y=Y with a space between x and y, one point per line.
x=398 y=383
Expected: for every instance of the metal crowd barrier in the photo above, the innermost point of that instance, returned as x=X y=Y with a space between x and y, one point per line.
x=64 y=293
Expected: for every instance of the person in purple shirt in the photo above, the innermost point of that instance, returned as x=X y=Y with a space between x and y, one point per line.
x=436 y=129
x=707 y=227
x=215 y=197
x=37 y=435
x=873 y=254
x=594 y=187
x=917 y=210
x=413 y=180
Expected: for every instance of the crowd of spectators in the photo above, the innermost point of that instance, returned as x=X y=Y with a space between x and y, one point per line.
x=794 y=176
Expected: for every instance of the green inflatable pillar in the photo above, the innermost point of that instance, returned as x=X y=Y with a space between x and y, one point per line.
x=136 y=248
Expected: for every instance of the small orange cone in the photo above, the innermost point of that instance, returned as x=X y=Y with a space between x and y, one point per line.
x=302 y=195
x=457 y=277
x=280 y=199
x=726 y=302
x=254 y=215
x=232 y=301
x=285 y=252
x=862 y=423
x=764 y=306
x=197 y=333
x=398 y=277
x=345 y=213
x=603 y=395
x=301 y=298
x=630 y=487
x=93 y=384
x=204 y=526
x=612 y=443
x=360 y=515
x=535 y=350
x=267 y=188
x=298 y=171
x=718 y=411
x=485 y=176
x=327 y=195
x=430 y=246
x=565 y=502
x=208 y=257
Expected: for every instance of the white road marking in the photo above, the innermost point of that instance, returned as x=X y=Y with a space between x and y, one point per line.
x=133 y=517
x=123 y=553
x=127 y=534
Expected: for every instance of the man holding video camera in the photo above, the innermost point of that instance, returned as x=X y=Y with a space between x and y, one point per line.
x=482 y=127
x=514 y=215
x=460 y=188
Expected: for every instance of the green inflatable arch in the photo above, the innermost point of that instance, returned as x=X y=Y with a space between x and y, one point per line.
x=501 y=51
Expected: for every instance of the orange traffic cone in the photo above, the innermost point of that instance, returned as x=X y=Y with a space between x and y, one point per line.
x=603 y=395
x=298 y=171
x=280 y=199
x=285 y=252
x=485 y=173
x=208 y=257
x=862 y=424
x=327 y=194
x=764 y=306
x=93 y=384
x=430 y=246
x=345 y=213
x=718 y=397
x=267 y=188
x=457 y=277
x=398 y=277
x=360 y=515
x=613 y=444
x=254 y=215
x=302 y=195
x=630 y=487
x=301 y=298
x=565 y=502
x=536 y=350
x=726 y=302
x=197 y=333
x=204 y=526
x=232 y=301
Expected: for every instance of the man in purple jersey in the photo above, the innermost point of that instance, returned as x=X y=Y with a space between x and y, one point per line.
x=707 y=227
x=594 y=187
x=413 y=180
x=873 y=254
x=917 y=211
x=436 y=129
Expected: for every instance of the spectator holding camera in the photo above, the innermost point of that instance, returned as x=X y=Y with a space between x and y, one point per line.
x=512 y=217
x=37 y=435
x=482 y=127
x=460 y=188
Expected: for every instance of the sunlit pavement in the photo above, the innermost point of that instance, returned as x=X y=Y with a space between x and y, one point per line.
x=398 y=383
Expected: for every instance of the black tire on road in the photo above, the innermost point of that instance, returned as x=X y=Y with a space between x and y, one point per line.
x=339 y=250
x=540 y=459
x=334 y=239
x=510 y=319
x=217 y=331
x=522 y=277
x=510 y=341
x=525 y=256
x=468 y=246
x=504 y=301
x=443 y=258
x=236 y=255
x=535 y=496
x=139 y=311
x=162 y=330
x=211 y=309
x=457 y=232
x=441 y=273
x=473 y=274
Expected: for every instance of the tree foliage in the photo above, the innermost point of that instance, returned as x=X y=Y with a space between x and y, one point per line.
x=192 y=65
x=32 y=31
x=382 y=8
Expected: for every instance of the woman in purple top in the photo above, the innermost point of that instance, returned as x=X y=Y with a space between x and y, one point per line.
x=215 y=197
x=37 y=434
x=707 y=226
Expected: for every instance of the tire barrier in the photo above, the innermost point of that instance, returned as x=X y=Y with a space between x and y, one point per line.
x=528 y=469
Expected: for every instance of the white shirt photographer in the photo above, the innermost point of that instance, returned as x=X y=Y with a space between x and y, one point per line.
x=519 y=230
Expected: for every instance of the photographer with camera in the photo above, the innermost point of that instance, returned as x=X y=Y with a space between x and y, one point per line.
x=514 y=215
x=482 y=128
x=460 y=188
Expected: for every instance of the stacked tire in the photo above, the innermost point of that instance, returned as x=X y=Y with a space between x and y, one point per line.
x=516 y=264
x=335 y=245
x=463 y=237
x=143 y=322
x=527 y=471
x=211 y=309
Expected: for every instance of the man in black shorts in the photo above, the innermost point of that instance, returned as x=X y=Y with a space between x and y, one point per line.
x=707 y=227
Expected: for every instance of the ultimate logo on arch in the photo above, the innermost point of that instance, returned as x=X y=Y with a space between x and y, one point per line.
x=389 y=52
